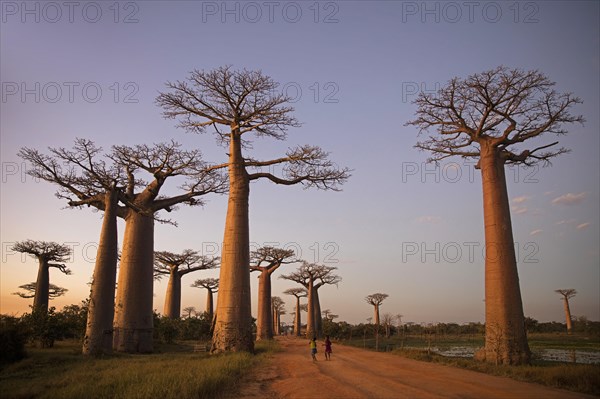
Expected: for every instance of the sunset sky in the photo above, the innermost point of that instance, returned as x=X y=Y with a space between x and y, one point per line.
x=400 y=226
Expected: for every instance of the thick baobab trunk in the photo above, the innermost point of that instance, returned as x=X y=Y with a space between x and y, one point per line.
x=376 y=318
x=264 y=321
x=298 y=318
x=233 y=325
x=318 y=316
x=42 y=287
x=505 y=336
x=99 y=329
x=568 y=315
x=172 y=307
x=209 y=304
x=133 y=310
x=310 y=314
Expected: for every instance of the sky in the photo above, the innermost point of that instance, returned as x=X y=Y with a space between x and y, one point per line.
x=400 y=226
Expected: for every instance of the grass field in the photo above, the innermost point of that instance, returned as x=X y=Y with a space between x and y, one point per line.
x=173 y=372
x=583 y=378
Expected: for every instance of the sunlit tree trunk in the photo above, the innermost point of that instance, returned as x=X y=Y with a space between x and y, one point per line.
x=172 y=307
x=209 y=304
x=505 y=336
x=42 y=287
x=568 y=315
x=233 y=325
x=133 y=311
x=298 y=318
x=310 y=314
x=317 y=315
x=99 y=329
x=264 y=321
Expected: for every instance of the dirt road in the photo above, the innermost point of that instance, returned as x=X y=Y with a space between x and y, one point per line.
x=356 y=373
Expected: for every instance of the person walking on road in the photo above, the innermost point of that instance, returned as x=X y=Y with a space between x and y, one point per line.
x=313 y=348
x=327 y=348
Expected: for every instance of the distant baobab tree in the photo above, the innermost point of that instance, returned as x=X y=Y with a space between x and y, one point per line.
x=376 y=300
x=54 y=291
x=297 y=293
x=212 y=286
x=489 y=116
x=176 y=266
x=102 y=183
x=566 y=295
x=278 y=309
x=266 y=260
x=323 y=279
x=310 y=275
x=188 y=311
x=49 y=255
x=237 y=103
x=387 y=320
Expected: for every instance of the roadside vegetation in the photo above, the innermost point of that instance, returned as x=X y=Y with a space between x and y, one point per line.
x=41 y=358
x=424 y=343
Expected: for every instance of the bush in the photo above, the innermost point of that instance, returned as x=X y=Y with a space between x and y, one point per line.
x=12 y=340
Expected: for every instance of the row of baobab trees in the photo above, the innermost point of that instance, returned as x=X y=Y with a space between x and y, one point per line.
x=488 y=116
x=311 y=277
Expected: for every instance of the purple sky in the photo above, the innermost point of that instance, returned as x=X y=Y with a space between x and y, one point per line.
x=400 y=226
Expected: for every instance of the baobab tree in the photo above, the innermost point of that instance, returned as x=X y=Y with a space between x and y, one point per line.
x=89 y=181
x=189 y=310
x=309 y=275
x=278 y=308
x=297 y=293
x=176 y=266
x=566 y=295
x=212 y=286
x=105 y=182
x=387 y=320
x=54 y=291
x=45 y=252
x=376 y=300
x=488 y=117
x=237 y=103
x=323 y=279
x=266 y=260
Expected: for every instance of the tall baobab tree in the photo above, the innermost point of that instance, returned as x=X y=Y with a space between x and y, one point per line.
x=133 y=308
x=376 y=300
x=237 y=103
x=297 y=293
x=324 y=279
x=54 y=291
x=489 y=116
x=212 y=286
x=89 y=181
x=105 y=182
x=566 y=295
x=176 y=266
x=46 y=254
x=308 y=275
x=278 y=309
x=266 y=260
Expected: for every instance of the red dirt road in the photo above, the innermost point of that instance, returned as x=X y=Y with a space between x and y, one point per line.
x=356 y=373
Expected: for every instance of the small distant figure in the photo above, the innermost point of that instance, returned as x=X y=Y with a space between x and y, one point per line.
x=327 y=348
x=313 y=348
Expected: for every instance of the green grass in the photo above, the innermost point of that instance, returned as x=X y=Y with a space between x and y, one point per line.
x=177 y=372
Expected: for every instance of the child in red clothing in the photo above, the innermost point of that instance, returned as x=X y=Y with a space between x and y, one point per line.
x=327 y=348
